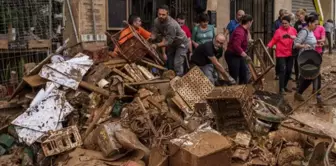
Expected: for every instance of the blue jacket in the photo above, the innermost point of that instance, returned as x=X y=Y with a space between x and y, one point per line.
x=233 y=24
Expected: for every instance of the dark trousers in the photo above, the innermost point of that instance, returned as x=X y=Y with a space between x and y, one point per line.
x=328 y=35
x=304 y=84
x=285 y=66
x=237 y=67
x=277 y=68
x=296 y=68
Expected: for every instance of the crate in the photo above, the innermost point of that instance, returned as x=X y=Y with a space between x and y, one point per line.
x=61 y=141
x=193 y=87
x=135 y=48
x=231 y=106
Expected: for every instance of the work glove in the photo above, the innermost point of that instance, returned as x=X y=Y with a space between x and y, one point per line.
x=247 y=59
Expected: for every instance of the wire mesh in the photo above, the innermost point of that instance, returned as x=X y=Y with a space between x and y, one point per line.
x=28 y=29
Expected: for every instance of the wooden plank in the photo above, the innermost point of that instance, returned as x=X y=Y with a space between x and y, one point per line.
x=153 y=65
x=148 y=82
x=39 y=44
x=146 y=73
x=35 y=80
x=123 y=75
x=115 y=61
x=132 y=73
x=4 y=44
x=94 y=88
x=138 y=71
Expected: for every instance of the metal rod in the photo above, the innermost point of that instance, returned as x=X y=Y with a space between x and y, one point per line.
x=311 y=96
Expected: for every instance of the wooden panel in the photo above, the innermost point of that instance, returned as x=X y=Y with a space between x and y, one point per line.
x=39 y=44
x=82 y=15
x=85 y=17
x=4 y=44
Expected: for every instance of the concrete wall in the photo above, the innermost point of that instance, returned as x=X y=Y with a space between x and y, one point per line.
x=222 y=7
x=327 y=9
x=281 y=4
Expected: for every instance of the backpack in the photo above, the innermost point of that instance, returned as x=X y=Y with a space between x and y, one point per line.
x=297 y=50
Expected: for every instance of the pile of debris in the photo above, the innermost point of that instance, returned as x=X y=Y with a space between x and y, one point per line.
x=132 y=111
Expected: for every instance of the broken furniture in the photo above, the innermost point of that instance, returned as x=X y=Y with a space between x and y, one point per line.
x=231 y=106
x=265 y=60
x=135 y=48
x=61 y=141
x=193 y=88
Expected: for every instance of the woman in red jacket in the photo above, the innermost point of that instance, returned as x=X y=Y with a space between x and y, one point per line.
x=283 y=39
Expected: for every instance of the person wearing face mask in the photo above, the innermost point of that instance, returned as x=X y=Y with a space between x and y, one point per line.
x=174 y=39
x=306 y=40
x=283 y=39
x=203 y=32
x=235 y=55
x=125 y=34
x=206 y=57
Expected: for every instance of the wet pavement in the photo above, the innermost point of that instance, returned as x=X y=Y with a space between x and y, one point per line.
x=328 y=74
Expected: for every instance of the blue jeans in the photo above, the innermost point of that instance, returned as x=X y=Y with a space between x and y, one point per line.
x=210 y=72
x=176 y=57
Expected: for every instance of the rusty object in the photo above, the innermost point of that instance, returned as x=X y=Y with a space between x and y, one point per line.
x=290 y=155
x=232 y=108
x=97 y=53
x=62 y=141
x=199 y=149
x=101 y=112
x=134 y=48
x=149 y=120
x=193 y=87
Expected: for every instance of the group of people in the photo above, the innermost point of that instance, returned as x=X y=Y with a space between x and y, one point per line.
x=203 y=47
x=291 y=42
